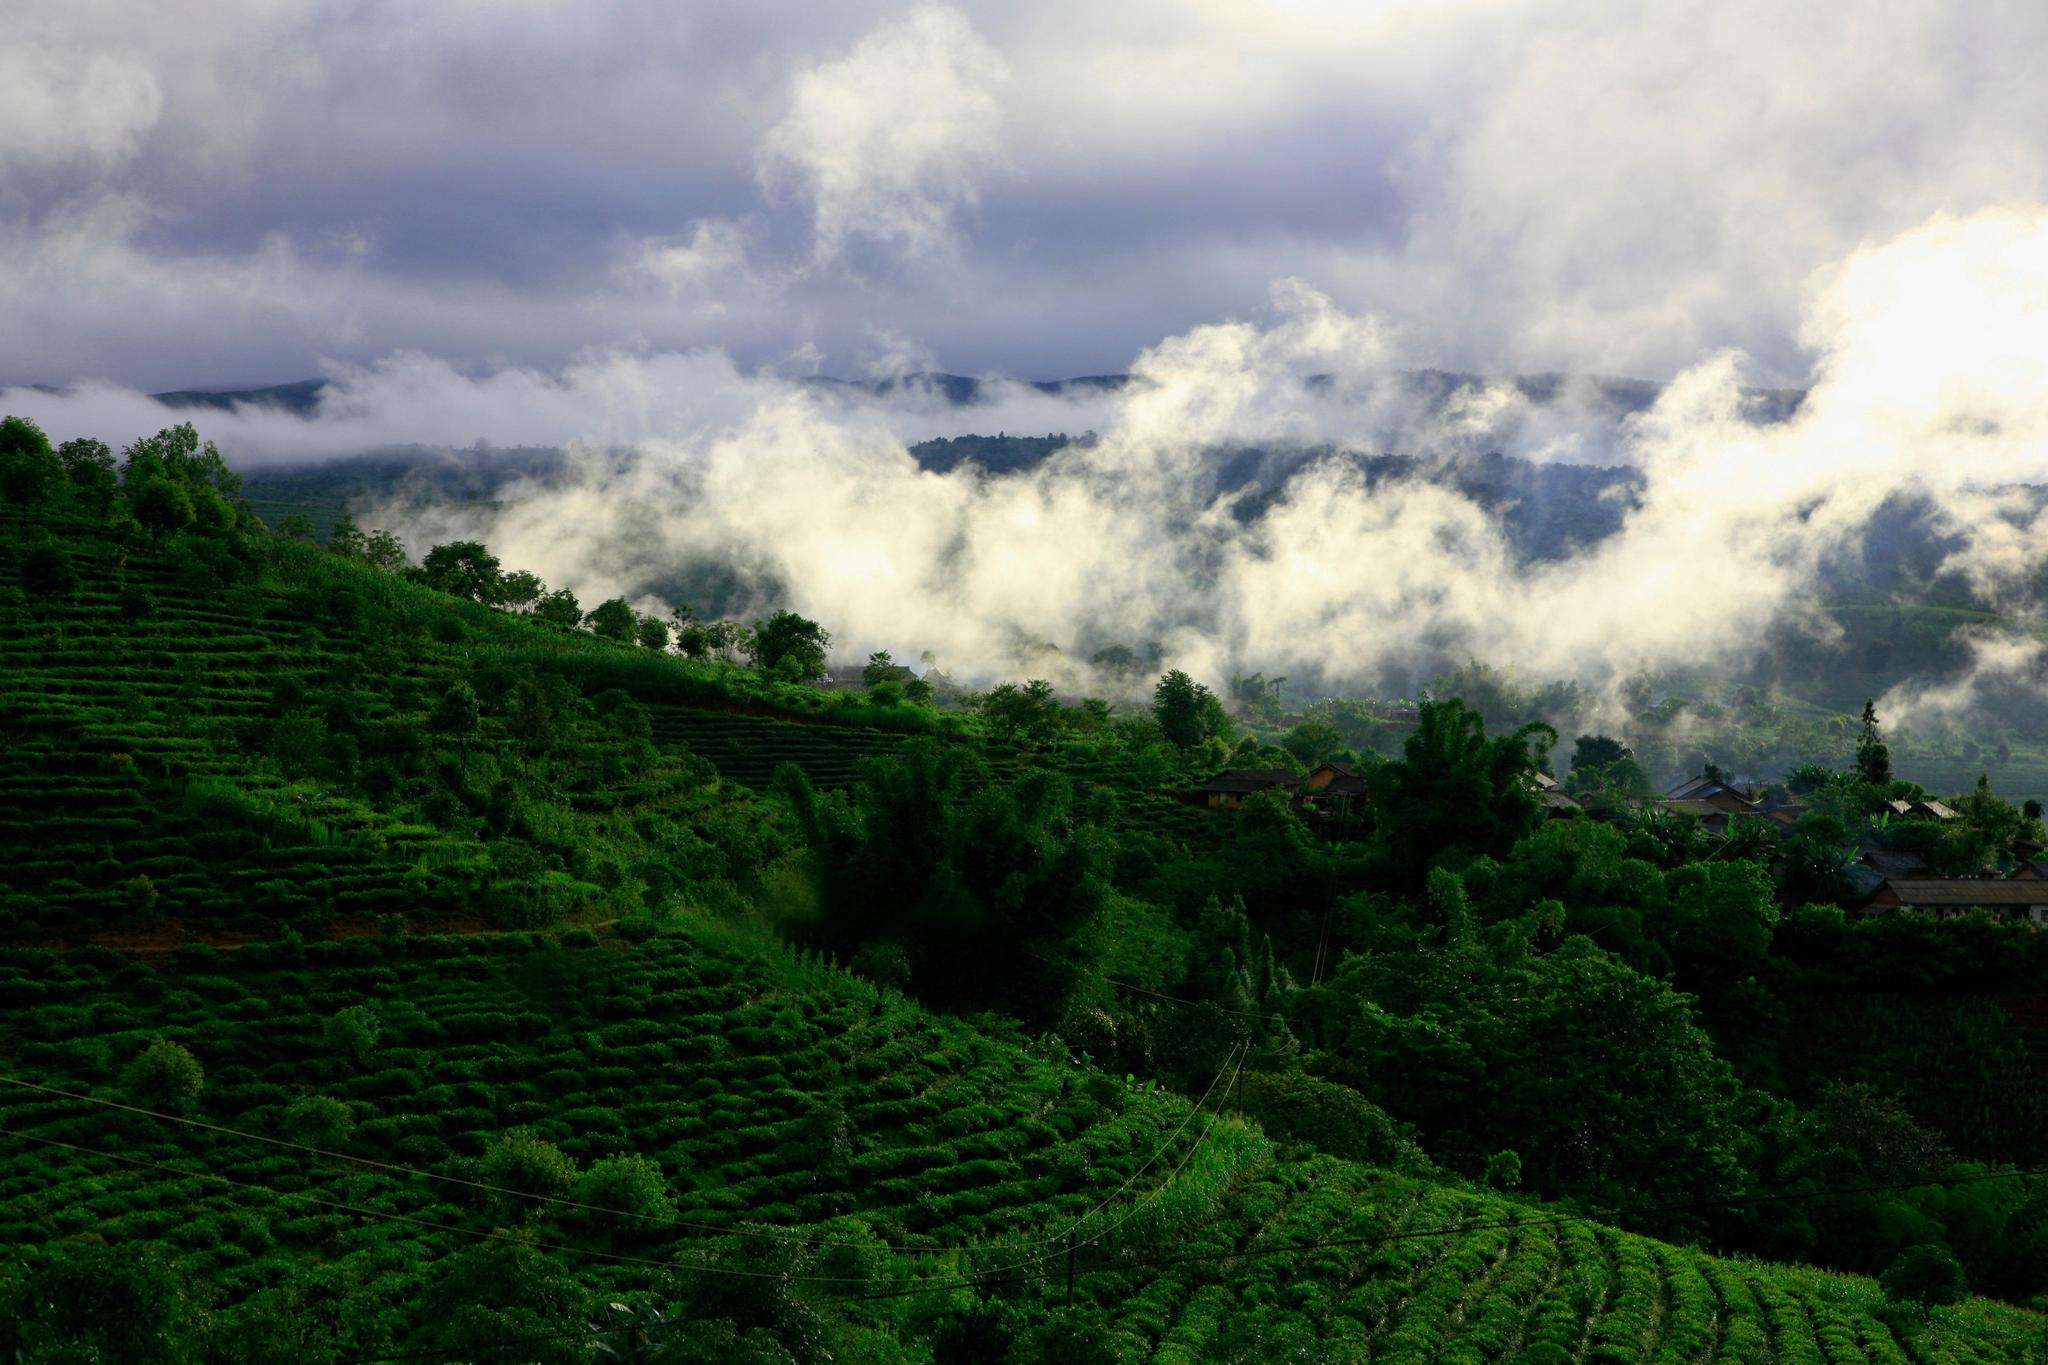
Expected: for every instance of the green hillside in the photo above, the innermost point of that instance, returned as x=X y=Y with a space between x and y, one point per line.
x=389 y=974
x=897 y=1175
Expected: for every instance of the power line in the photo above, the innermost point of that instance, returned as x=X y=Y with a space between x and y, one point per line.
x=715 y=1229
x=1262 y=1015
x=439 y=1226
x=1459 y=1229
x=583 y=1335
x=977 y=1278
x=362 y=1211
x=1186 y=1119
x=1237 y=1054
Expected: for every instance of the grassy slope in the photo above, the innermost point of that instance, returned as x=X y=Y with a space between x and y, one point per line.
x=123 y=758
x=716 y=1057
x=713 y=1055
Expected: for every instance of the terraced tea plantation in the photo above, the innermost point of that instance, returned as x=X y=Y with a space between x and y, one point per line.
x=879 y=1165
x=129 y=792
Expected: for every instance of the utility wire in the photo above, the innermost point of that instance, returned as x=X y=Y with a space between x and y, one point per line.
x=439 y=1226
x=1459 y=1229
x=362 y=1211
x=1375 y=1239
x=976 y=1278
x=1264 y=1015
x=585 y=1334
x=715 y=1229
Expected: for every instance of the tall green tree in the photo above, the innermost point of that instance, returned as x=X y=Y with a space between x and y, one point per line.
x=1455 y=790
x=464 y=568
x=960 y=870
x=89 y=468
x=1873 y=756
x=612 y=619
x=345 y=538
x=652 y=633
x=790 y=646
x=383 y=551
x=1187 y=712
x=29 y=469
x=520 y=589
x=161 y=505
x=1025 y=715
x=559 y=608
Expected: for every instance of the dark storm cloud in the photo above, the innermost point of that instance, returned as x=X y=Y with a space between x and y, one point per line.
x=239 y=192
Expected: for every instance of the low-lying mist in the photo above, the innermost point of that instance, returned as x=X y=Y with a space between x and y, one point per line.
x=1223 y=505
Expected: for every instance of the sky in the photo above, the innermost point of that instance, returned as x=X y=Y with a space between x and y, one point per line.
x=241 y=192
x=629 y=229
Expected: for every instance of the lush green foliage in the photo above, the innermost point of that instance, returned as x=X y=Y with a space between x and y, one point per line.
x=296 y=815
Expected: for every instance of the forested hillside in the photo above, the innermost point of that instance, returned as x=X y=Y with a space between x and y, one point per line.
x=401 y=961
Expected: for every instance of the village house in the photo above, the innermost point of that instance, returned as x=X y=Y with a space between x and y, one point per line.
x=1336 y=790
x=1895 y=863
x=1229 y=788
x=1556 y=802
x=854 y=677
x=1922 y=810
x=1712 y=801
x=1949 y=897
x=1713 y=793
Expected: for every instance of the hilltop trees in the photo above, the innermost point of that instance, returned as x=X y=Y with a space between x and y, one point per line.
x=29 y=468
x=160 y=505
x=613 y=620
x=652 y=633
x=1025 y=715
x=958 y=870
x=559 y=608
x=89 y=466
x=726 y=640
x=520 y=589
x=462 y=568
x=166 y=1077
x=789 y=646
x=1873 y=756
x=1187 y=712
x=1455 y=790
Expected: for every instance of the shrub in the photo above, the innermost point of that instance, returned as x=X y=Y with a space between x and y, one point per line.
x=91 y=1301
x=319 y=1121
x=135 y=604
x=524 y=1163
x=1925 y=1274
x=632 y=1185
x=352 y=1033
x=45 y=572
x=165 y=1077
x=140 y=894
x=883 y=962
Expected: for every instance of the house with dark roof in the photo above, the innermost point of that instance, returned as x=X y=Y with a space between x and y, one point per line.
x=1228 y=789
x=1330 y=780
x=1709 y=800
x=1786 y=808
x=1948 y=897
x=854 y=677
x=1556 y=802
x=1335 y=790
x=1895 y=862
x=1713 y=792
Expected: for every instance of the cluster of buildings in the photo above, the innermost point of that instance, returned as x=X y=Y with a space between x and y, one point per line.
x=1887 y=880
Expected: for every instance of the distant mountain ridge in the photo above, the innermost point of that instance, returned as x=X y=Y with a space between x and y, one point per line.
x=301 y=396
x=1624 y=396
